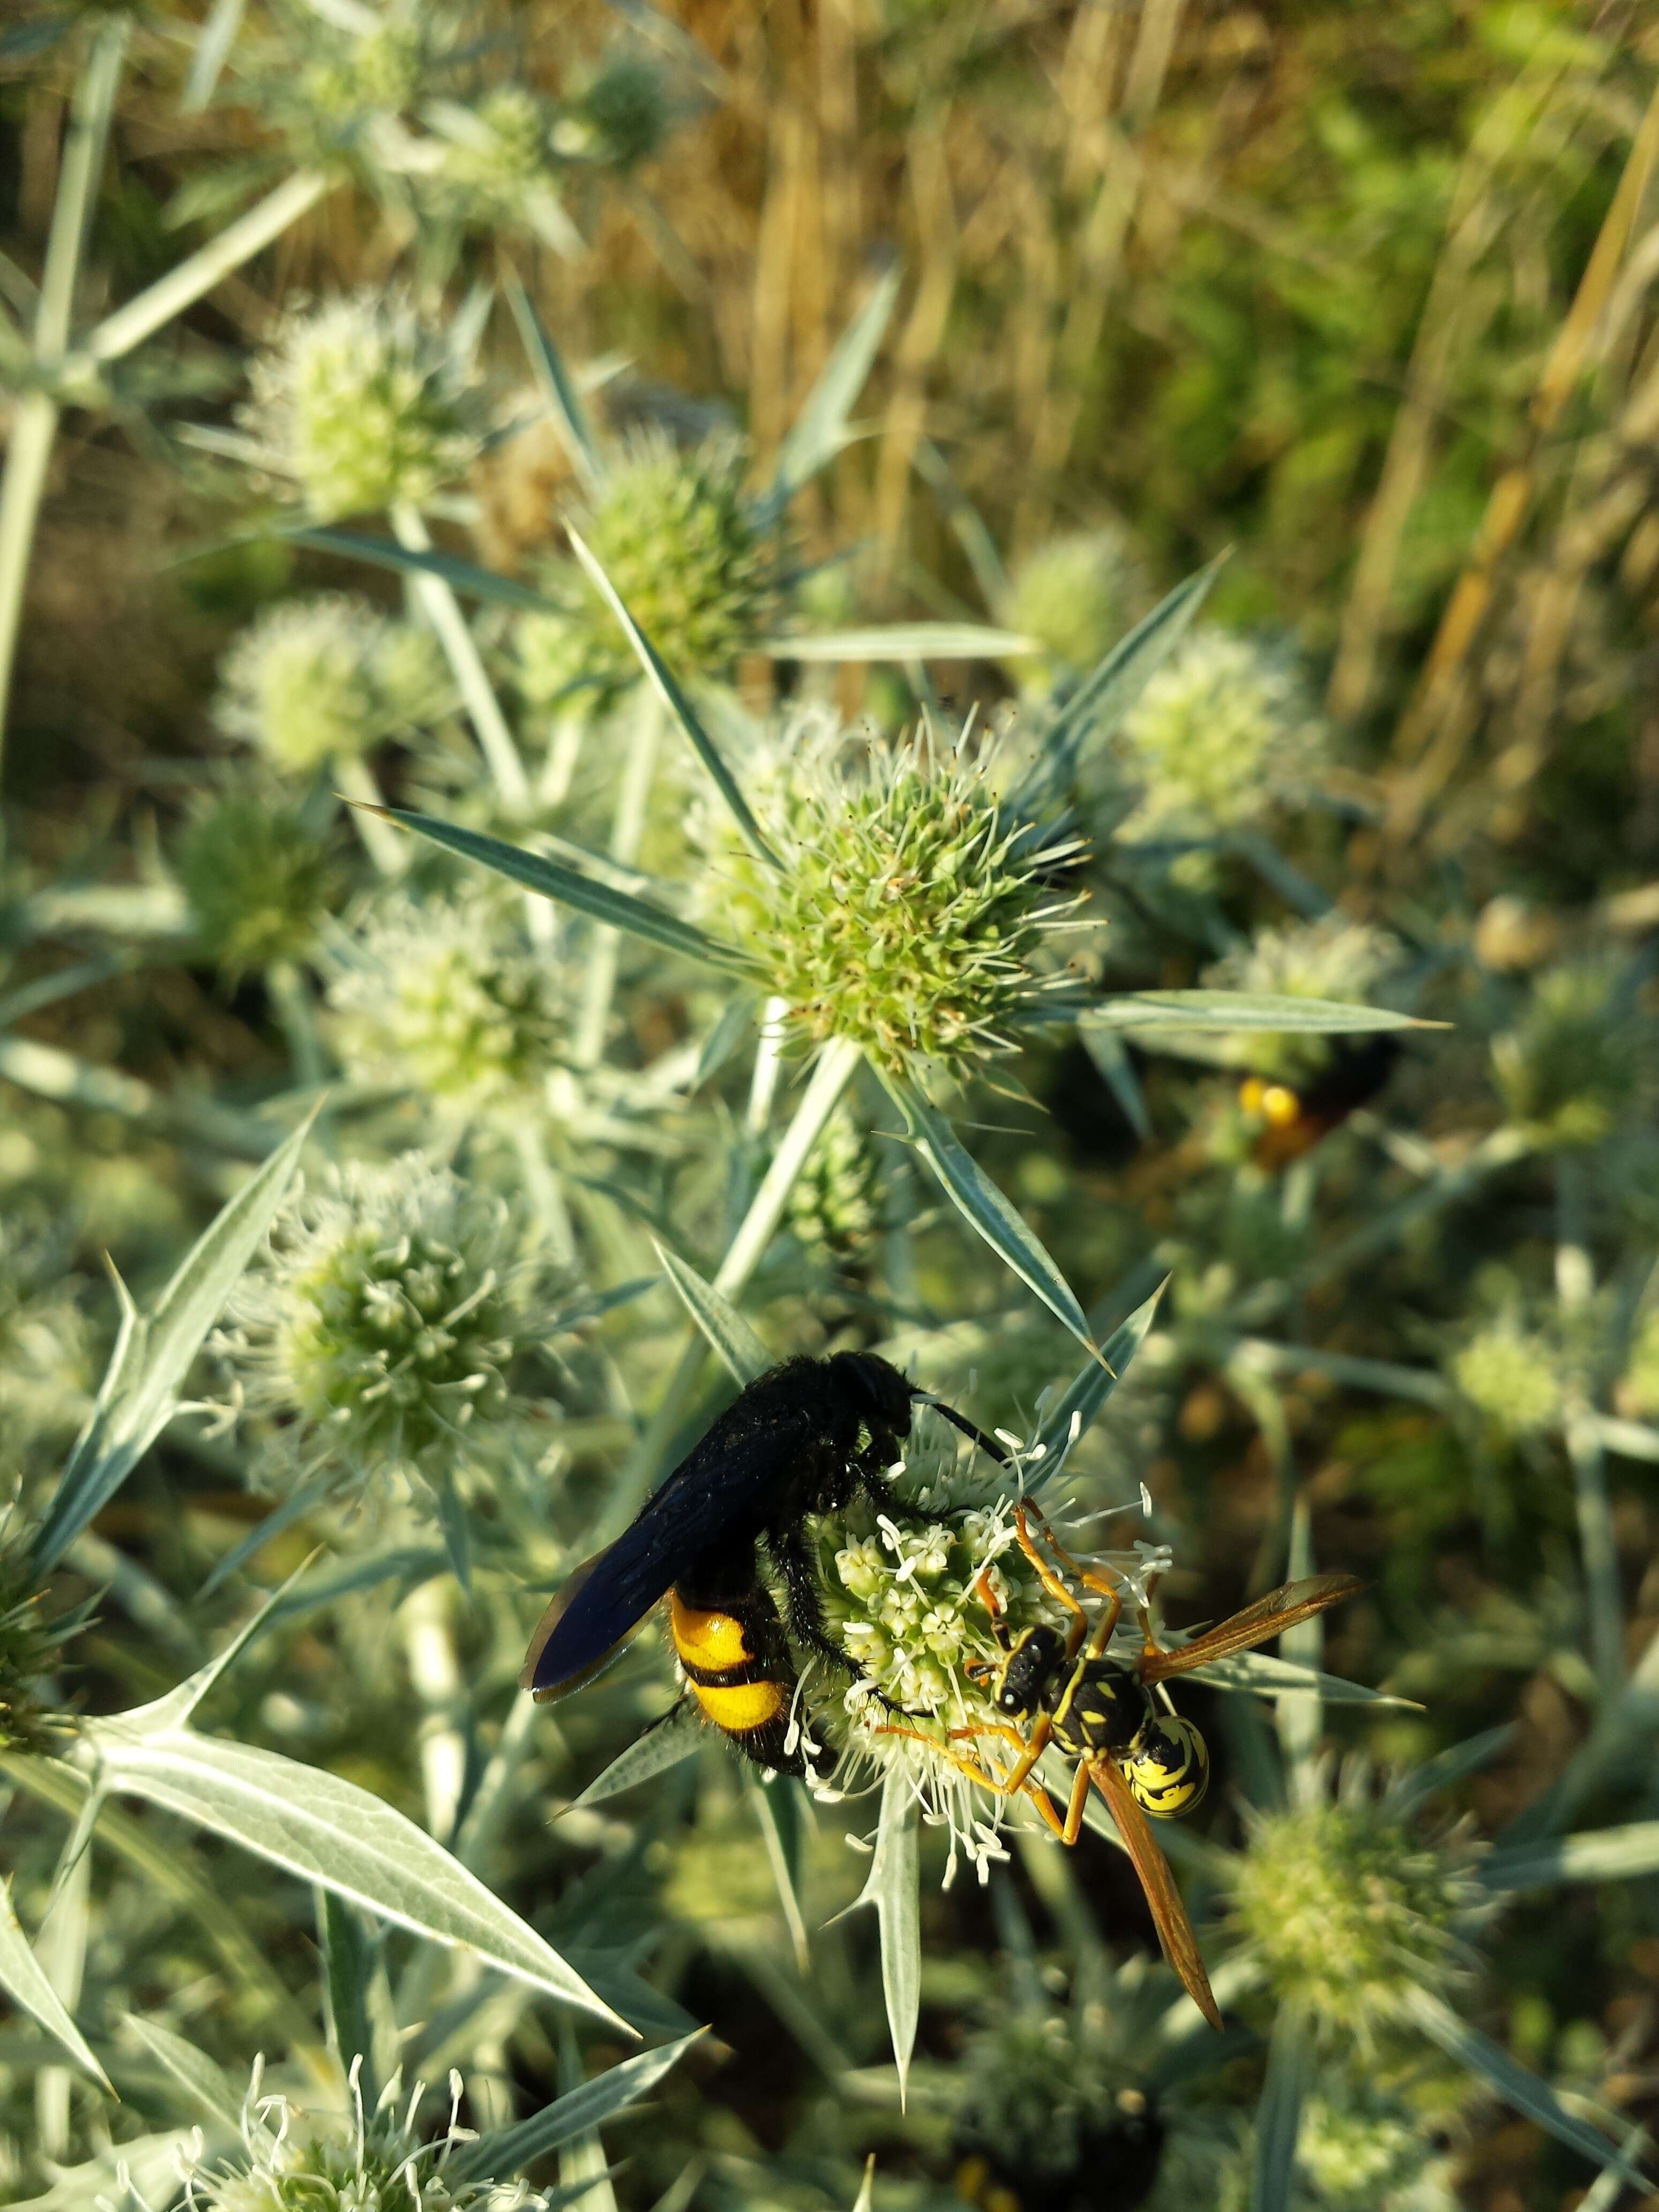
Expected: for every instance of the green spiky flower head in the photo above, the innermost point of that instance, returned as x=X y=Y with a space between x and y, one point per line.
x=382 y=1324
x=497 y=165
x=835 y=1206
x=1049 y=2103
x=447 y=995
x=1512 y=1377
x=619 y=114
x=1223 y=730
x=913 y=911
x=1572 y=1069
x=324 y=679
x=293 y=2159
x=365 y=404
x=260 y=879
x=1346 y=1910
x=1077 y=595
x=31 y=1646
x=1361 y=2147
x=680 y=542
x=1329 y=958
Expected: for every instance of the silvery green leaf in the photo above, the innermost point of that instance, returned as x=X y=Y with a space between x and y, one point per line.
x=736 y=1018
x=329 y=1831
x=1523 y=2090
x=1117 y=1069
x=662 y=680
x=665 y=1744
x=1280 y=1014
x=1446 y=1768
x=213 y=43
x=984 y=1207
x=820 y=430
x=556 y=381
x=618 y=909
x=1267 y=1675
x=463 y=576
x=1593 y=1855
x=719 y=1319
x=174 y=1707
x=506 y=2151
x=26 y=1983
x=1088 y=1390
x=1106 y=694
x=894 y=1888
x=139 y=1393
x=1278 y=2115
x=149 y=2163
x=767 y=1802
x=363 y=2023
x=902 y=641
x=212 y=2094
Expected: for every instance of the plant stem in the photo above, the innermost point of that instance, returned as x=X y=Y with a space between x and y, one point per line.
x=435 y=1671
x=443 y=611
x=355 y=779
x=626 y=833
x=763 y=1083
x=834 y=1072
x=1598 y=1544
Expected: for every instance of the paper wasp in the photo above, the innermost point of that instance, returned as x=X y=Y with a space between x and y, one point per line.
x=802 y=1439
x=1102 y=1712
x=1294 y=1118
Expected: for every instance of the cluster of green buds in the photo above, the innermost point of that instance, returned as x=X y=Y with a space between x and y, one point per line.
x=1346 y=1910
x=362 y=404
x=494 y=163
x=293 y=2160
x=1510 y=1374
x=381 y=1325
x=1573 y=1068
x=1077 y=596
x=331 y=80
x=447 y=995
x=324 y=679
x=835 y=1206
x=1329 y=958
x=31 y=1716
x=1224 y=730
x=689 y=557
x=616 y=114
x=1361 y=2146
x=912 y=906
x=260 y=878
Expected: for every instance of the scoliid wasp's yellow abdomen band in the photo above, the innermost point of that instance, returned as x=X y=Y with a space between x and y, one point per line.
x=739 y=1708
x=707 y=1638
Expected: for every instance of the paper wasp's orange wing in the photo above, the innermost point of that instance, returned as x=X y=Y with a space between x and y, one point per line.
x=1268 y=1617
x=1175 y=1931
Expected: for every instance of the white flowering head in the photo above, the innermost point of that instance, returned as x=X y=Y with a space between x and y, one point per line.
x=676 y=536
x=1361 y=2147
x=297 y=2161
x=259 y=880
x=1225 y=727
x=324 y=679
x=1512 y=1377
x=448 y=995
x=332 y=80
x=1077 y=596
x=1330 y=957
x=382 y=1324
x=1573 y=1066
x=913 y=912
x=496 y=165
x=365 y=404
x=1347 y=1910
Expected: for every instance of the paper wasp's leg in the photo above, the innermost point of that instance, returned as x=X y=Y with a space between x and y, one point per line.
x=1030 y=1748
x=971 y=1767
x=1073 y=1827
x=1053 y=1584
x=992 y=1604
x=1109 y=1590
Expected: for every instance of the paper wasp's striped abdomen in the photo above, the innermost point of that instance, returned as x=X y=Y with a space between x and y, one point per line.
x=737 y=1666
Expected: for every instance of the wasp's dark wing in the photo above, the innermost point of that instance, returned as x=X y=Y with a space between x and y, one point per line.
x=720 y=1491
x=1175 y=1929
x=1269 y=1616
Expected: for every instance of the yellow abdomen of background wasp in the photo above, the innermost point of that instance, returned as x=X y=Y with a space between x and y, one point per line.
x=707 y=1639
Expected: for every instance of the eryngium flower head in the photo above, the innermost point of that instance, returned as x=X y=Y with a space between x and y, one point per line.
x=675 y=535
x=1077 y=595
x=1511 y=1377
x=1571 y=1069
x=449 y=996
x=1047 y=2106
x=497 y=162
x=383 y=1322
x=353 y=2161
x=912 y=908
x=834 y=1205
x=324 y=679
x=1346 y=1910
x=1331 y=957
x=366 y=404
x=1361 y=2147
x=330 y=79
x=30 y=1645
x=1224 y=728
x=619 y=116
x=259 y=878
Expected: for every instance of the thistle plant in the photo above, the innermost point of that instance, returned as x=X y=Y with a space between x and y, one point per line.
x=259 y=878
x=834 y=1208
x=495 y=163
x=1578 y=1062
x=1330 y=957
x=1511 y=1376
x=32 y=1719
x=686 y=553
x=382 y=1328
x=1077 y=595
x=363 y=403
x=449 y=995
x=324 y=679
x=618 y=113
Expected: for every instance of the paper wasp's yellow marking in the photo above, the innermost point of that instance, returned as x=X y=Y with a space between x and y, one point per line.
x=744 y=1706
x=714 y=1640
x=1276 y=1103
